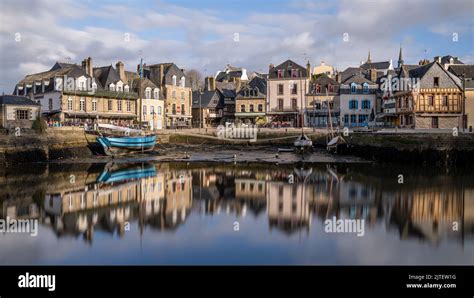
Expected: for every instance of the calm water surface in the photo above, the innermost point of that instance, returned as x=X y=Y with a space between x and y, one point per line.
x=148 y=213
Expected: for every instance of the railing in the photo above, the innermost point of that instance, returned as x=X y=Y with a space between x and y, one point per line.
x=284 y=109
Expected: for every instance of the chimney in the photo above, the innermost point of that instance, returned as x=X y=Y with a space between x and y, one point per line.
x=373 y=75
x=210 y=84
x=238 y=83
x=338 y=77
x=89 y=67
x=121 y=71
x=162 y=74
x=308 y=69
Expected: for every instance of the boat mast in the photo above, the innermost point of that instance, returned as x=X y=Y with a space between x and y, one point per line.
x=329 y=112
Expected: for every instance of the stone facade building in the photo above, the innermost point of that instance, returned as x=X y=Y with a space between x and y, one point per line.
x=18 y=111
x=250 y=102
x=286 y=87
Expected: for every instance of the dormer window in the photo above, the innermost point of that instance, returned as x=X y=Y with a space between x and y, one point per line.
x=156 y=94
x=112 y=87
x=126 y=88
x=182 y=82
x=294 y=73
x=174 y=81
x=280 y=73
x=119 y=88
x=366 y=88
x=353 y=88
x=318 y=89
x=148 y=93
x=330 y=88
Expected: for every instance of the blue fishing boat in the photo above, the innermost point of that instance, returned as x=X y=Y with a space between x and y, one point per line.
x=112 y=174
x=119 y=140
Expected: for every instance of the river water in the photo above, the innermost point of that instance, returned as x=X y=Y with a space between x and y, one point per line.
x=198 y=213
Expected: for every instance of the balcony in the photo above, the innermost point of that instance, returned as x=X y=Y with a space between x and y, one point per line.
x=285 y=110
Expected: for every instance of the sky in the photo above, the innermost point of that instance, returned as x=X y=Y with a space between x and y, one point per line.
x=208 y=34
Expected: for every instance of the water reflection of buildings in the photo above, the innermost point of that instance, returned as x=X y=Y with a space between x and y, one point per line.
x=162 y=197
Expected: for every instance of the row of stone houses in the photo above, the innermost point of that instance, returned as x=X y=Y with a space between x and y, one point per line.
x=426 y=95
x=155 y=96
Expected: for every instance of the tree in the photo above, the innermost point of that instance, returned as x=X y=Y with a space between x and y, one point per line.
x=195 y=78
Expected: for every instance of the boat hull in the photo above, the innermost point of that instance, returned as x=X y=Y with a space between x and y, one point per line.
x=116 y=145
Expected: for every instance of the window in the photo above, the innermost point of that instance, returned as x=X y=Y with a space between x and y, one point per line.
x=50 y=104
x=434 y=122
x=280 y=89
x=294 y=104
x=126 y=88
x=144 y=110
x=436 y=82
x=353 y=104
x=152 y=110
x=182 y=95
x=148 y=93
x=318 y=89
x=110 y=104
x=94 y=105
x=173 y=109
x=112 y=87
x=294 y=89
x=294 y=73
x=182 y=82
x=129 y=106
x=363 y=118
x=182 y=110
x=430 y=100
x=156 y=94
x=280 y=73
x=173 y=94
x=445 y=100
x=242 y=108
x=260 y=108
x=82 y=104
x=331 y=88
x=158 y=111
x=366 y=88
x=174 y=81
x=251 y=108
x=280 y=104
x=353 y=118
x=353 y=88
x=119 y=88
x=346 y=118
x=22 y=115
x=70 y=105
x=119 y=105
x=366 y=104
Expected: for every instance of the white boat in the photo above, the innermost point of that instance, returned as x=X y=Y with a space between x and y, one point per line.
x=303 y=142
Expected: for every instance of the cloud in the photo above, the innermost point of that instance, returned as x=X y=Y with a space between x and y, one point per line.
x=204 y=38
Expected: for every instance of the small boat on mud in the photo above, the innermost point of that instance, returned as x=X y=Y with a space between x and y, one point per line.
x=303 y=143
x=117 y=140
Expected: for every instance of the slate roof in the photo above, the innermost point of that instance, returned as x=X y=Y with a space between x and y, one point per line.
x=323 y=81
x=209 y=98
x=358 y=79
x=376 y=65
x=59 y=69
x=260 y=84
x=106 y=75
x=169 y=70
x=458 y=70
x=349 y=72
x=447 y=58
x=287 y=66
x=17 y=100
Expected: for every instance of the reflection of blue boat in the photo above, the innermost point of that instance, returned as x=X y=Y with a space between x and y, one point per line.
x=109 y=176
x=115 y=143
